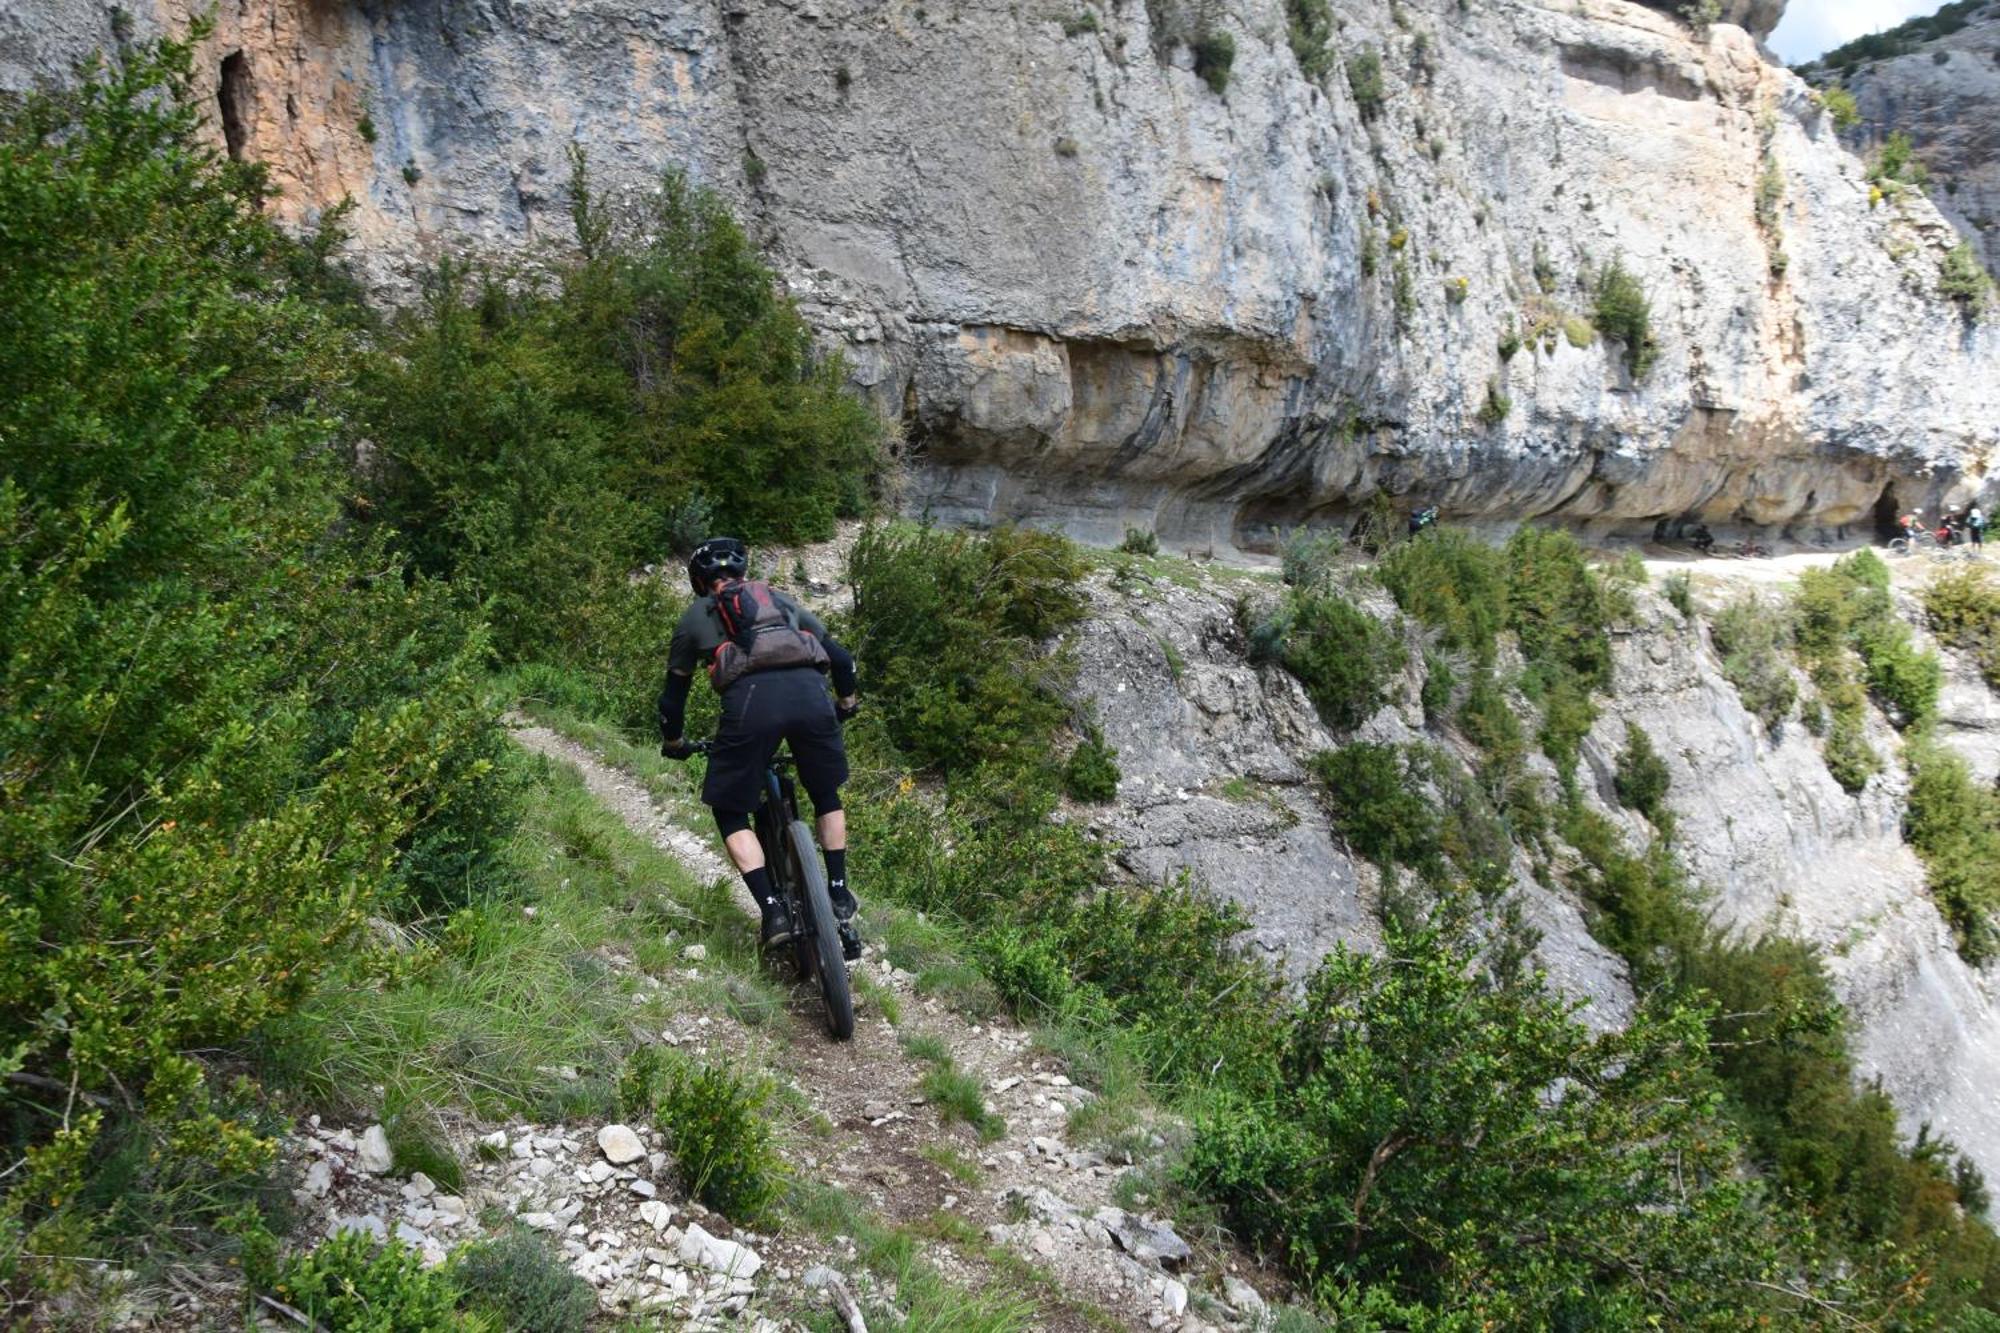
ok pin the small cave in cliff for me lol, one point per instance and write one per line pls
(234, 93)
(1886, 513)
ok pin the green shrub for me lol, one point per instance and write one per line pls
(1309, 28)
(1346, 660)
(1641, 778)
(1623, 312)
(1411, 1142)
(1840, 105)
(1963, 608)
(1376, 806)
(949, 628)
(713, 1120)
(1306, 557)
(1364, 80)
(351, 1285)
(1214, 55)
(1954, 825)
(1962, 278)
(233, 729)
(538, 438)
(1749, 636)
(1453, 582)
(1140, 541)
(1091, 772)
(1679, 593)
(1560, 607)
(1496, 407)
(520, 1283)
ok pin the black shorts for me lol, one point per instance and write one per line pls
(758, 713)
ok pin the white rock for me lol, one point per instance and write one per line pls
(368, 1224)
(319, 1179)
(450, 1207)
(374, 1155)
(695, 953)
(422, 1184)
(718, 1255)
(1243, 1298)
(1174, 1297)
(599, 1172)
(645, 1189)
(655, 1214)
(620, 1145)
(541, 1221)
(497, 1140)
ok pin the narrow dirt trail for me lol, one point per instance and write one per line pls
(1026, 1190)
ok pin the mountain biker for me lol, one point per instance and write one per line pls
(1975, 524)
(1423, 518)
(1702, 539)
(1909, 525)
(769, 675)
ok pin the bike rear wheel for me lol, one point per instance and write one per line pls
(819, 941)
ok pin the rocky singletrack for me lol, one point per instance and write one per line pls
(1025, 1212)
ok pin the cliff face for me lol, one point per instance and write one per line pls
(1946, 97)
(1100, 293)
(1214, 782)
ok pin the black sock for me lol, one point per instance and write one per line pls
(836, 870)
(759, 881)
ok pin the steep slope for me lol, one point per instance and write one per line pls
(1215, 782)
(1099, 290)
(1946, 96)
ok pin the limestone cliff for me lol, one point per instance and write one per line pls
(1214, 750)
(1101, 292)
(1946, 96)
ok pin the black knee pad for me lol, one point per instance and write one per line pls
(731, 821)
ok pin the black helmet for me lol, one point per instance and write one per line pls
(717, 558)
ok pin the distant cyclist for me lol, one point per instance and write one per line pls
(768, 658)
(1423, 518)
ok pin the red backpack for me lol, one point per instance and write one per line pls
(763, 635)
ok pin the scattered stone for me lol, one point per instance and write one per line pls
(497, 1140)
(599, 1172)
(655, 1214)
(450, 1208)
(375, 1156)
(319, 1179)
(1146, 1240)
(541, 1221)
(421, 1186)
(1243, 1298)
(695, 953)
(1011, 1081)
(620, 1145)
(645, 1189)
(369, 1225)
(718, 1255)
(1174, 1297)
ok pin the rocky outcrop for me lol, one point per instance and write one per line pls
(1100, 292)
(1214, 785)
(1946, 96)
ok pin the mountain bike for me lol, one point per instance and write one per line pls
(820, 944)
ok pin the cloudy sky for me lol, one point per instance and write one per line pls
(1813, 26)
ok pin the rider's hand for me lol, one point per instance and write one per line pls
(845, 709)
(677, 748)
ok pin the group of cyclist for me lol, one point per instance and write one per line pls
(1956, 527)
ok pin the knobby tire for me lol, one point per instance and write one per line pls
(829, 963)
